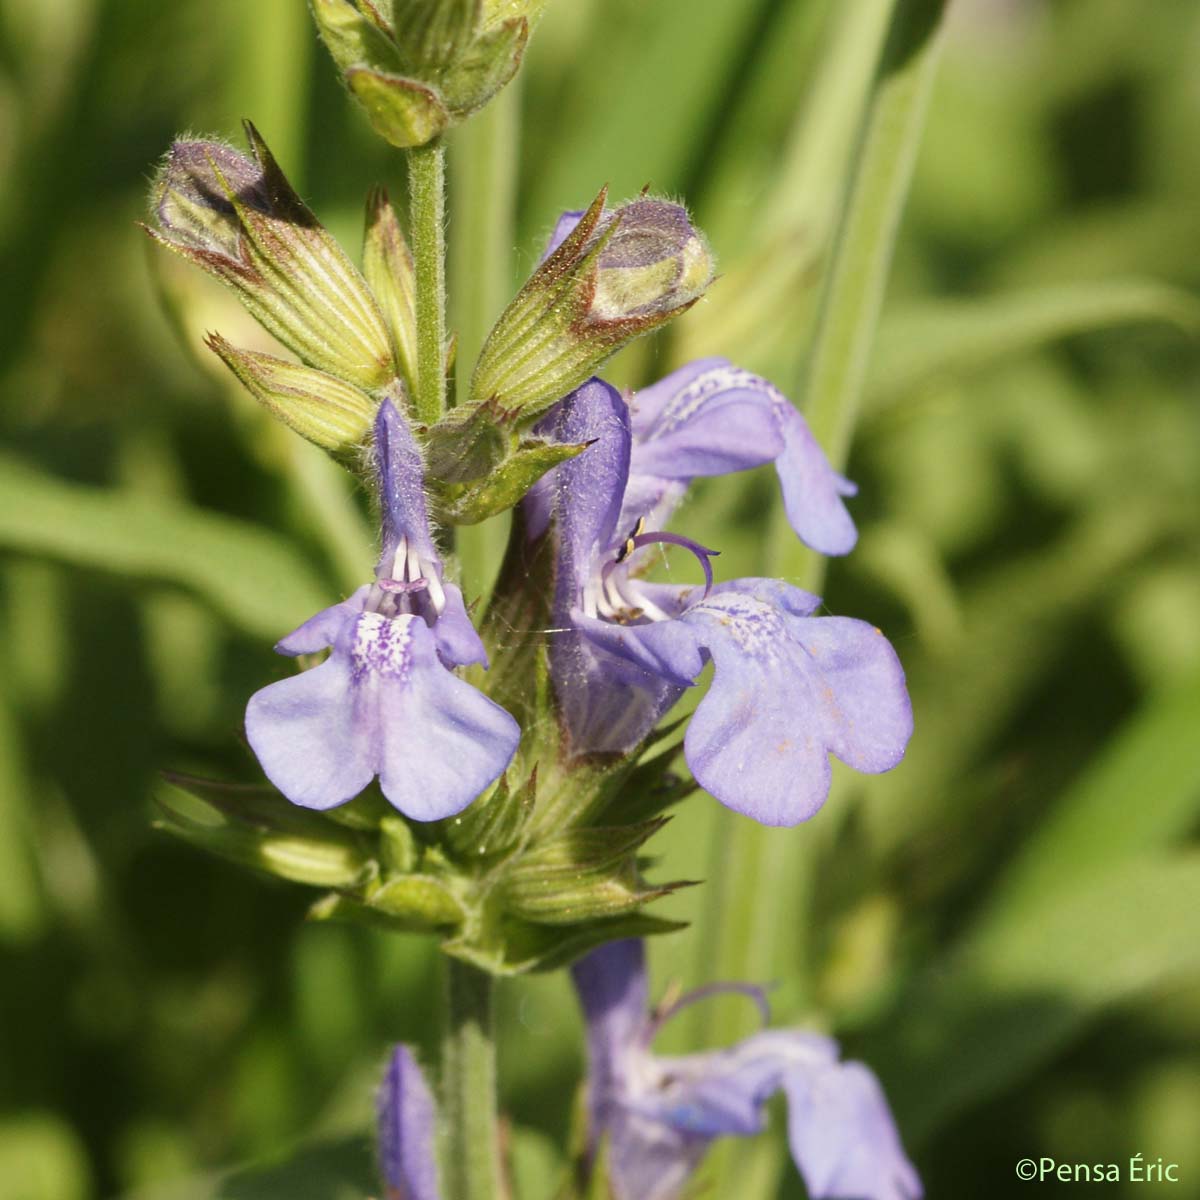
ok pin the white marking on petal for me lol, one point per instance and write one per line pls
(688, 401)
(382, 646)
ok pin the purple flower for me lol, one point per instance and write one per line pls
(386, 702)
(788, 688)
(407, 1124)
(660, 1115)
(712, 418)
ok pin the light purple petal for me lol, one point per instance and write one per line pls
(562, 230)
(309, 737)
(868, 713)
(652, 499)
(613, 993)
(320, 631)
(605, 706)
(794, 601)
(648, 403)
(670, 649)
(843, 1138)
(786, 692)
(407, 1124)
(458, 642)
(649, 1159)
(713, 421)
(587, 490)
(812, 489)
(383, 703)
(440, 741)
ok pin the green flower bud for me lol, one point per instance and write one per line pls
(419, 66)
(239, 219)
(388, 267)
(614, 277)
(256, 827)
(329, 412)
(421, 901)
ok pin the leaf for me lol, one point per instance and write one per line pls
(759, 872)
(1139, 795)
(253, 578)
(954, 337)
(343, 1170)
(863, 246)
(22, 908)
(597, 133)
(1017, 989)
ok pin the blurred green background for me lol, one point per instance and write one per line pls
(1007, 927)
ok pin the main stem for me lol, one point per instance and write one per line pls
(471, 1159)
(427, 226)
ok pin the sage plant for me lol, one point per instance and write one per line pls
(490, 777)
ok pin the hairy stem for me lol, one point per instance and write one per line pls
(427, 225)
(471, 1147)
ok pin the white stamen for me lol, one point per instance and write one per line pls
(636, 598)
(437, 593)
(413, 566)
(400, 560)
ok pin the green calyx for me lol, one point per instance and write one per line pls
(419, 66)
(482, 466)
(616, 276)
(327, 411)
(530, 876)
(238, 218)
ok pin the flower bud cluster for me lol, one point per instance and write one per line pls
(236, 217)
(419, 66)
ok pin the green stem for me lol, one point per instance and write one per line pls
(427, 226)
(471, 1147)
(760, 928)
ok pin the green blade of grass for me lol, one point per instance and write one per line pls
(259, 582)
(955, 337)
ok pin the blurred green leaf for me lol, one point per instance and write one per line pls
(743, 939)
(1021, 984)
(22, 910)
(1139, 795)
(862, 254)
(41, 1158)
(924, 342)
(255, 579)
(343, 1170)
(675, 57)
